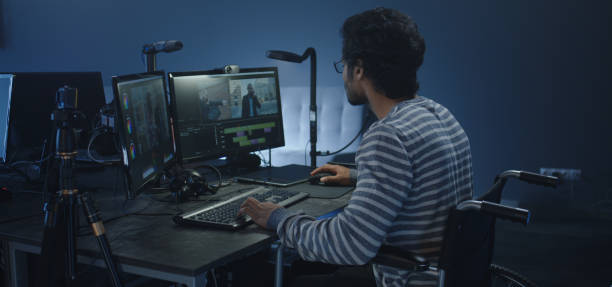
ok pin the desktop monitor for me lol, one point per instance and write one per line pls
(6, 87)
(33, 101)
(144, 128)
(220, 114)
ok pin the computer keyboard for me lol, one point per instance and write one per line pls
(223, 214)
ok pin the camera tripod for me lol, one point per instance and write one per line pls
(61, 220)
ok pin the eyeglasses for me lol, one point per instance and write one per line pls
(339, 66)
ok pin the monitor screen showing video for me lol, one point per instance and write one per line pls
(219, 114)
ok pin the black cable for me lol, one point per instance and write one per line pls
(268, 162)
(364, 126)
(219, 176)
(327, 153)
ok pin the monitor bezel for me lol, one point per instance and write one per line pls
(132, 190)
(3, 153)
(216, 155)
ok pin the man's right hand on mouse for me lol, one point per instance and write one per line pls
(342, 175)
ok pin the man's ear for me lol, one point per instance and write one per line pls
(358, 72)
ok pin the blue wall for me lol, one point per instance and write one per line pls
(527, 79)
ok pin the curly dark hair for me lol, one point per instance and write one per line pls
(390, 49)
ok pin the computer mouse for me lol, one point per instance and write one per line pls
(316, 179)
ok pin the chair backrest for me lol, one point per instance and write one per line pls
(467, 250)
(469, 237)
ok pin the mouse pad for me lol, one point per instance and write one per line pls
(321, 191)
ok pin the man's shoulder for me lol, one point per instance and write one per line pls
(381, 129)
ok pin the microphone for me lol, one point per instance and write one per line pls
(162, 46)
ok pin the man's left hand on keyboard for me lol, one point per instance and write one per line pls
(258, 211)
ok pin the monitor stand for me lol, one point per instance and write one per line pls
(243, 160)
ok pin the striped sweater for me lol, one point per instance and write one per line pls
(412, 166)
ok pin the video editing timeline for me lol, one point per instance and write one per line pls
(145, 125)
(218, 113)
(250, 134)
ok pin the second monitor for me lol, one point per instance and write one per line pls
(219, 114)
(144, 128)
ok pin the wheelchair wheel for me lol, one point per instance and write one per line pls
(502, 276)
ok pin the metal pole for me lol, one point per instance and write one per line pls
(278, 268)
(313, 106)
(151, 62)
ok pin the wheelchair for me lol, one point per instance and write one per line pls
(469, 238)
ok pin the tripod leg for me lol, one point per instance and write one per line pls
(52, 269)
(95, 221)
(71, 226)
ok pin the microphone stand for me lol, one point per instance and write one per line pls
(151, 50)
(151, 62)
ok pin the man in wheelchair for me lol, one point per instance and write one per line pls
(413, 164)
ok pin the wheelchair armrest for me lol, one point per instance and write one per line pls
(496, 210)
(530, 177)
(396, 257)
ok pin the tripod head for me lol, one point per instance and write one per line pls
(63, 117)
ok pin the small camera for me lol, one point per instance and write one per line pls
(66, 98)
(231, 69)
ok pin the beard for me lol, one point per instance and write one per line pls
(354, 98)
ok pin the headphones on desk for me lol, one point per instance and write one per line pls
(190, 183)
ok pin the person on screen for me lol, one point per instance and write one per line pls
(209, 109)
(250, 103)
(413, 164)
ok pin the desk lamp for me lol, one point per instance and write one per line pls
(295, 58)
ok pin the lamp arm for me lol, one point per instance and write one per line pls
(310, 52)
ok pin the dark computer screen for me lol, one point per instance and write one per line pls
(220, 114)
(33, 100)
(144, 127)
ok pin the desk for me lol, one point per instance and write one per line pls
(151, 246)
